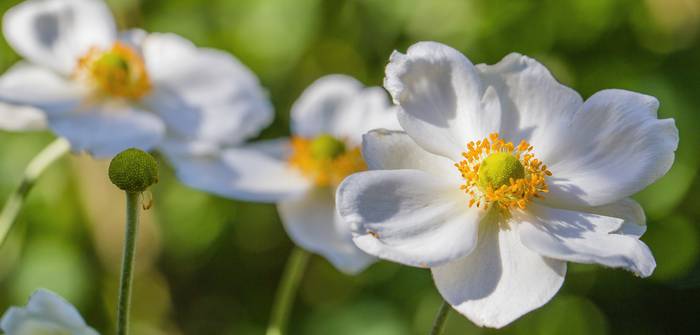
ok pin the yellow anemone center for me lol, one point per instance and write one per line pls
(499, 173)
(117, 72)
(498, 169)
(325, 160)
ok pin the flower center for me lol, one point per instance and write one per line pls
(118, 72)
(325, 159)
(498, 169)
(327, 147)
(499, 173)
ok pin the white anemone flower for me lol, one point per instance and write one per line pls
(502, 176)
(106, 91)
(46, 313)
(300, 174)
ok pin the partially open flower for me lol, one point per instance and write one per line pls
(45, 313)
(502, 176)
(301, 174)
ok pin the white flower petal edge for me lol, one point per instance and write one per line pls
(54, 33)
(407, 216)
(315, 112)
(255, 172)
(21, 118)
(107, 130)
(32, 85)
(612, 129)
(313, 223)
(583, 238)
(202, 93)
(341, 106)
(45, 312)
(632, 214)
(440, 94)
(394, 150)
(500, 280)
(535, 106)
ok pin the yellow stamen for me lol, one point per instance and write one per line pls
(499, 173)
(117, 72)
(325, 160)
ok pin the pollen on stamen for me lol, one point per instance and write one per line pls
(117, 72)
(513, 178)
(324, 167)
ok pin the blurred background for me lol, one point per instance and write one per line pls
(208, 265)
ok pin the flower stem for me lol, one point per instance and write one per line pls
(36, 166)
(127, 275)
(440, 318)
(286, 291)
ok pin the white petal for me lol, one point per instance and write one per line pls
(316, 111)
(55, 33)
(257, 172)
(440, 95)
(340, 106)
(583, 238)
(394, 150)
(55, 308)
(500, 280)
(408, 216)
(368, 109)
(21, 118)
(312, 222)
(635, 222)
(45, 311)
(615, 147)
(27, 84)
(535, 106)
(133, 37)
(107, 130)
(204, 94)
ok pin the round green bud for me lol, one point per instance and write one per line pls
(498, 168)
(133, 170)
(327, 147)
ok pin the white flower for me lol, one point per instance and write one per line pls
(106, 91)
(300, 174)
(46, 313)
(502, 176)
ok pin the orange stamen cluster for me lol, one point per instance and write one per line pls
(117, 72)
(516, 192)
(324, 171)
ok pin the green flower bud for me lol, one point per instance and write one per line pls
(133, 170)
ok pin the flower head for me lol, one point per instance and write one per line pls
(501, 176)
(301, 174)
(106, 91)
(117, 72)
(46, 313)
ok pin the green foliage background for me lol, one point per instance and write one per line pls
(208, 265)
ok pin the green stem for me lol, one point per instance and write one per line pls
(36, 166)
(286, 291)
(440, 318)
(127, 274)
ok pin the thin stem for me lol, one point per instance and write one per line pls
(127, 275)
(440, 318)
(286, 291)
(36, 166)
